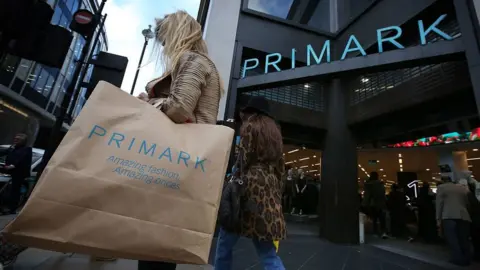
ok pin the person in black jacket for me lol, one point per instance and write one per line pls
(396, 205)
(474, 210)
(427, 227)
(18, 164)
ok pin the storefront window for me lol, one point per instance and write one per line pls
(277, 8)
(320, 19)
(23, 69)
(351, 10)
(57, 16)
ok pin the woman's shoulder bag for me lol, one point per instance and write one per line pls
(229, 213)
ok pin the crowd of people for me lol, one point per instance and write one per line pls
(452, 214)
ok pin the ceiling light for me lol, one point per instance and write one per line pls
(401, 169)
(470, 166)
(293, 151)
(359, 165)
(303, 166)
(401, 165)
(314, 156)
(288, 162)
(399, 155)
(303, 147)
(306, 85)
(365, 80)
(475, 150)
(378, 161)
(381, 170)
(302, 159)
(428, 169)
(312, 171)
(400, 160)
(384, 175)
(358, 178)
(477, 158)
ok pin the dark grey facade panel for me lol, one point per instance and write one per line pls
(417, 85)
(272, 37)
(433, 53)
(385, 13)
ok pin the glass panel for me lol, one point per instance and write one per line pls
(351, 10)
(277, 8)
(34, 76)
(63, 22)
(23, 69)
(42, 80)
(69, 4)
(49, 85)
(321, 16)
(7, 69)
(57, 15)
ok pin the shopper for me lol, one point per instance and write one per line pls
(375, 202)
(18, 165)
(190, 89)
(427, 228)
(452, 214)
(397, 207)
(474, 211)
(263, 166)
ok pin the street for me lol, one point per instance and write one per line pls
(304, 252)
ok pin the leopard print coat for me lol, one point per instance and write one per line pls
(262, 217)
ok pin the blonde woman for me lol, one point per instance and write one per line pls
(190, 89)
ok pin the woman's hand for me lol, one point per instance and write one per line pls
(143, 96)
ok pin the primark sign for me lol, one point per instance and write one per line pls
(352, 45)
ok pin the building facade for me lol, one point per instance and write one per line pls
(31, 93)
(342, 75)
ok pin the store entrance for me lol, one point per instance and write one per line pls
(411, 176)
(302, 189)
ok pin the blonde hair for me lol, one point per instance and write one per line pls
(179, 32)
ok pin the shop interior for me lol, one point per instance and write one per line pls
(395, 165)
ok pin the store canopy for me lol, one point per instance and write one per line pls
(434, 53)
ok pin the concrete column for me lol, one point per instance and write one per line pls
(339, 202)
(220, 33)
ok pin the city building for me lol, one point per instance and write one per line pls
(357, 86)
(31, 93)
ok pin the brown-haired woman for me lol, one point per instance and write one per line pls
(190, 89)
(262, 218)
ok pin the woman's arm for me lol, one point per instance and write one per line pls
(189, 77)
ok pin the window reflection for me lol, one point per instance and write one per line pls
(277, 8)
(320, 18)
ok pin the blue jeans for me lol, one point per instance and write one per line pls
(265, 250)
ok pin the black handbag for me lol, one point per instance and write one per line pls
(231, 203)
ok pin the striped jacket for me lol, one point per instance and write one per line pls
(190, 93)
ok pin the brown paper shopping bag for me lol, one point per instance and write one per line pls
(126, 182)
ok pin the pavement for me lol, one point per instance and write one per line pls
(301, 251)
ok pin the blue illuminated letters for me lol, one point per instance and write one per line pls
(353, 45)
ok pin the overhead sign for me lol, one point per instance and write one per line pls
(83, 16)
(353, 46)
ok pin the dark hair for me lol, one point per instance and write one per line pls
(373, 176)
(394, 187)
(267, 137)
